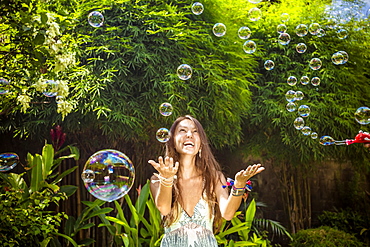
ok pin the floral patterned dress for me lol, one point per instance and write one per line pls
(193, 231)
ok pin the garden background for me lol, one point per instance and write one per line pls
(112, 79)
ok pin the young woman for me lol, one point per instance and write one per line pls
(188, 188)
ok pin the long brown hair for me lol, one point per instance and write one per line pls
(205, 163)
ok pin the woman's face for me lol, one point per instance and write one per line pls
(187, 140)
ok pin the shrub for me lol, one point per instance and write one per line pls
(324, 236)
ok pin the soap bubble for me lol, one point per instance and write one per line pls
(315, 81)
(108, 175)
(305, 80)
(284, 39)
(301, 47)
(301, 30)
(342, 33)
(184, 72)
(306, 130)
(4, 86)
(96, 19)
(244, 32)
(327, 140)
(281, 28)
(8, 161)
(340, 57)
(197, 8)
(269, 64)
(59, 99)
(315, 63)
(314, 135)
(321, 33)
(255, 14)
(362, 115)
(284, 17)
(51, 88)
(254, 1)
(165, 109)
(219, 29)
(298, 123)
(163, 135)
(292, 80)
(314, 28)
(304, 110)
(291, 107)
(299, 95)
(249, 46)
(290, 96)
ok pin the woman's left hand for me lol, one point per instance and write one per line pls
(243, 176)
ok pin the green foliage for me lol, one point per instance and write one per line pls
(24, 216)
(324, 237)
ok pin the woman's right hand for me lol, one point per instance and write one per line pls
(166, 168)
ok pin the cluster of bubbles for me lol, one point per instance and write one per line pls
(8, 161)
(108, 175)
(163, 134)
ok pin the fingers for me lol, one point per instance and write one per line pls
(166, 166)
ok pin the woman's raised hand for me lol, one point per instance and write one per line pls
(166, 168)
(243, 176)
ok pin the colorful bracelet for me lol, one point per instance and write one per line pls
(237, 191)
(166, 182)
(230, 182)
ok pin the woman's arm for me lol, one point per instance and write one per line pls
(230, 203)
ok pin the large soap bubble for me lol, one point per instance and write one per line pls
(8, 161)
(301, 30)
(249, 46)
(163, 135)
(108, 175)
(315, 63)
(95, 19)
(284, 39)
(298, 123)
(219, 29)
(165, 109)
(291, 106)
(299, 95)
(255, 14)
(301, 47)
(314, 28)
(290, 96)
(304, 110)
(4, 86)
(197, 8)
(362, 115)
(184, 72)
(305, 80)
(291, 81)
(244, 33)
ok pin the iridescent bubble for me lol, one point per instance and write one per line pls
(291, 107)
(305, 80)
(197, 8)
(327, 140)
(249, 46)
(342, 33)
(254, 1)
(163, 135)
(95, 19)
(301, 30)
(255, 14)
(301, 47)
(345, 55)
(8, 161)
(290, 96)
(219, 29)
(244, 32)
(292, 80)
(362, 115)
(304, 110)
(4, 86)
(315, 81)
(184, 72)
(284, 17)
(321, 33)
(284, 39)
(51, 88)
(165, 109)
(59, 99)
(108, 175)
(340, 57)
(269, 64)
(298, 123)
(299, 95)
(281, 28)
(314, 135)
(314, 28)
(306, 130)
(315, 63)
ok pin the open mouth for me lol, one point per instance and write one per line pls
(188, 144)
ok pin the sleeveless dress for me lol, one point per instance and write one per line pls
(193, 231)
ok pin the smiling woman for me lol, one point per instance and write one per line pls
(190, 190)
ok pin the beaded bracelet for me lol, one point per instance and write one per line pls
(238, 191)
(166, 182)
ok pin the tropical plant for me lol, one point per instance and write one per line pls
(26, 219)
